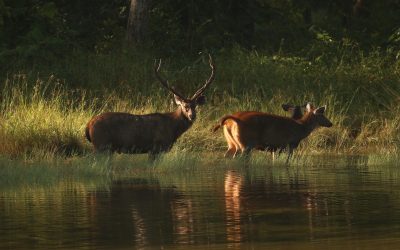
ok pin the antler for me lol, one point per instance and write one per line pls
(165, 82)
(208, 82)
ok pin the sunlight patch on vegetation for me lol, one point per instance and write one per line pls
(43, 118)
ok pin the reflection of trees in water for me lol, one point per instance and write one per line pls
(135, 212)
(343, 202)
(144, 212)
(39, 217)
(327, 213)
(239, 207)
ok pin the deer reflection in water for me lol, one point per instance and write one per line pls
(182, 218)
(140, 229)
(232, 186)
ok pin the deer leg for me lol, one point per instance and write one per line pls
(246, 151)
(103, 150)
(232, 145)
(237, 152)
(235, 140)
(103, 153)
(243, 149)
(232, 149)
(281, 151)
(154, 155)
(246, 156)
(230, 153)
(290, 152)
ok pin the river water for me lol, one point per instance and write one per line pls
(330, 206)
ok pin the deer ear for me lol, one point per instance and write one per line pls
(287, 107)
(177, 99)
(320, 110)
(309, 107)
(201, 100)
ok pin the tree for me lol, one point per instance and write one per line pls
(138, 21)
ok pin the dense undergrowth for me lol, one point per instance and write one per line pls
(43, 114)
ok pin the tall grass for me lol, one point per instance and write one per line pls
(44, 116)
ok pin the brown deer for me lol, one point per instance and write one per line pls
(250, 129)
(296, 114)
(233, 148)
(149, 133)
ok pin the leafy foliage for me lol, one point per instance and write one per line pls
(44, 30)
(37, 30)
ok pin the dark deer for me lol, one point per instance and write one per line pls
(150, 133)
(296, 114)
(259, 130)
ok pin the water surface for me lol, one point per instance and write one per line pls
(346, 206)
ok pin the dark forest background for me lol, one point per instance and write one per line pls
(39, 31)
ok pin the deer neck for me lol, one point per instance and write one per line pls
(182, 123)
(308, 124)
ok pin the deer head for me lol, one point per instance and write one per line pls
(316, 116)
(187, 105)
(295, 110)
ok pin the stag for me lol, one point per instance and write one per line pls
(148, 133)
(257, 130)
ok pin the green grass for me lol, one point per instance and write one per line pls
(44, 116)
(99, 171)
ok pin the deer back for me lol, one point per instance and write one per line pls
(124, 132)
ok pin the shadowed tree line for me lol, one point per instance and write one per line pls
(40, 30)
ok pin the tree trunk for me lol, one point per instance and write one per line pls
(137, 21)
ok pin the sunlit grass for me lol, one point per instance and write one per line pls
(43, 118)
(39, 125)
